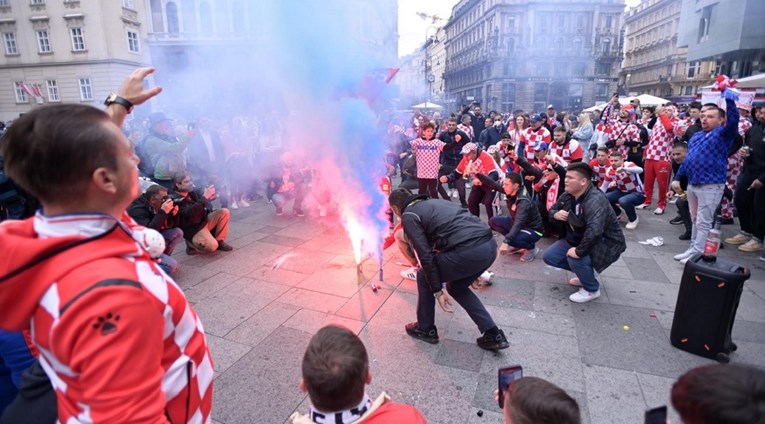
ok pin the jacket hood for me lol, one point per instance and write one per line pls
(30, 265)
(414, 197)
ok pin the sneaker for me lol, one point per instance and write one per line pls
(643, 206)
(762, 258)
(233, 205)
(455, 193)
(529, 255)
(410, 274)
(632, 224)
(685, 236)
(737, 239)
(243, 203)
(676, 220)
(620, 217)
(298, 212)
(279, 211)
(485, 278)
(224, 247)
(687, 254)
(575, 282)
(493, 342)
(658, 211)
(684, 260)
(430, 336)
(583, 296)
(751, 246)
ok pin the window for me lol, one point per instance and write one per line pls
(86, 91)
(511, 24)
(718, 68)
(43, 42)
(172, 18)
(128, 4)
(601, 90)
(704, 22)
(134, 44)
(609, 21)
(603, 69)
(21, 96)
(540, 92)
(693, 69)
(577, 45)
(78, 41)
(52, 91)
(38, 2)
(5, 3)
(606, 46)
(10, 43)
(579, 69)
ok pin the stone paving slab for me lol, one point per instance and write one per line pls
(259, 320)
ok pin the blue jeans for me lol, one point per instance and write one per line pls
(458, 269)
(525, 239)
(555, 256)
(173, 237)
(15, 358)
(627, 200)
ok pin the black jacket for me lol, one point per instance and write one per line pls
(593, 220)
(433, 226)
(523, 210)
(488, 137)
(693, 129)
(192, 214)
(143, 214)
(754, 165)
(452, 156)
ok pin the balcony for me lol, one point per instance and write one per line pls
(168, 38)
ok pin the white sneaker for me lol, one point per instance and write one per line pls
(643, 206)
(233, 205)
(243, 203)
(632, 224)
(583, 296)
(575, 282)
(658, 211)
(687, 254)
(410, 274)
(486, 276)
(455, 194)
(529, 255)
(683, 261)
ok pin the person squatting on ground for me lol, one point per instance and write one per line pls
(474, 161)
(679, 152)
(593, 239)
(204, 228)
(452, 247)
(706, 167)
(156, 210)
(104, 317)
(334, 372)
(523, 226)
(286, 182)
(623, 188)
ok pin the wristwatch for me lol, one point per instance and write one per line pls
(114, 98)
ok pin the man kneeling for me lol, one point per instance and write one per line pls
(335, 371)
(204, 229)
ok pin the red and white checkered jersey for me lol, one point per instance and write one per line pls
(625, 180)
(625, 130)
(743, 126)
(570, 151)
(467, 129)
(117, 337)
(428, 155)
(533, 137)
(599, 170)
(660, 140)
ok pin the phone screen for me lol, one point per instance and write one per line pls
(656, 415)
(505, 377)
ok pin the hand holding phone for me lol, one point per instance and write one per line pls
(505, 377)
(656, 415)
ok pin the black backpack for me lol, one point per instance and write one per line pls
(14, 202)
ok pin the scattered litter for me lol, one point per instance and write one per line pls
(532, 315)
(656, 241)
(480, 413)
(652, 315)
(626, 328)
(633, 291)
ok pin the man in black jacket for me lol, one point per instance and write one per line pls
(454, 247)
(204, 229)
(694, 113)
(451, 157)
(593, 240)
(153, 209)
(523, 226)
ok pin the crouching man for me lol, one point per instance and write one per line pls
(204, 229)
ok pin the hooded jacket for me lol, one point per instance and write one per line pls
(116, 335)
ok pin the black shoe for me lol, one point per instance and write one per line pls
(676, 220)
(279, 211)
(726, 221)
(298, 212)
(192, 252)
(464, 205)
(225, 247)
(430, 336)
(685, 236)
(493, 342)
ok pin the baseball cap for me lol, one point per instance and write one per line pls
(541, 146)
(550, 107)
(536, 118)
(468, 148)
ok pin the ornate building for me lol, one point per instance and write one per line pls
(653, 64)
(67, 51)
(526, 54)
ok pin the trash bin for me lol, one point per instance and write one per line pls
(706, 307)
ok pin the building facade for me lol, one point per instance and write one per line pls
(526, 54)
(412, 78)
(653, 63)
(67, 51)
(729, 32)
(435, 57)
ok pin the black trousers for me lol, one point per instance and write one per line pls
(750, 205)
(685, 213)
(478, 196)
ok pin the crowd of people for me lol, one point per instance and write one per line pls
(102, 331)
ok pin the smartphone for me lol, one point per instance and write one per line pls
(505, 377)
(656, 415)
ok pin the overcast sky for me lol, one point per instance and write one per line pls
(412, 30)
